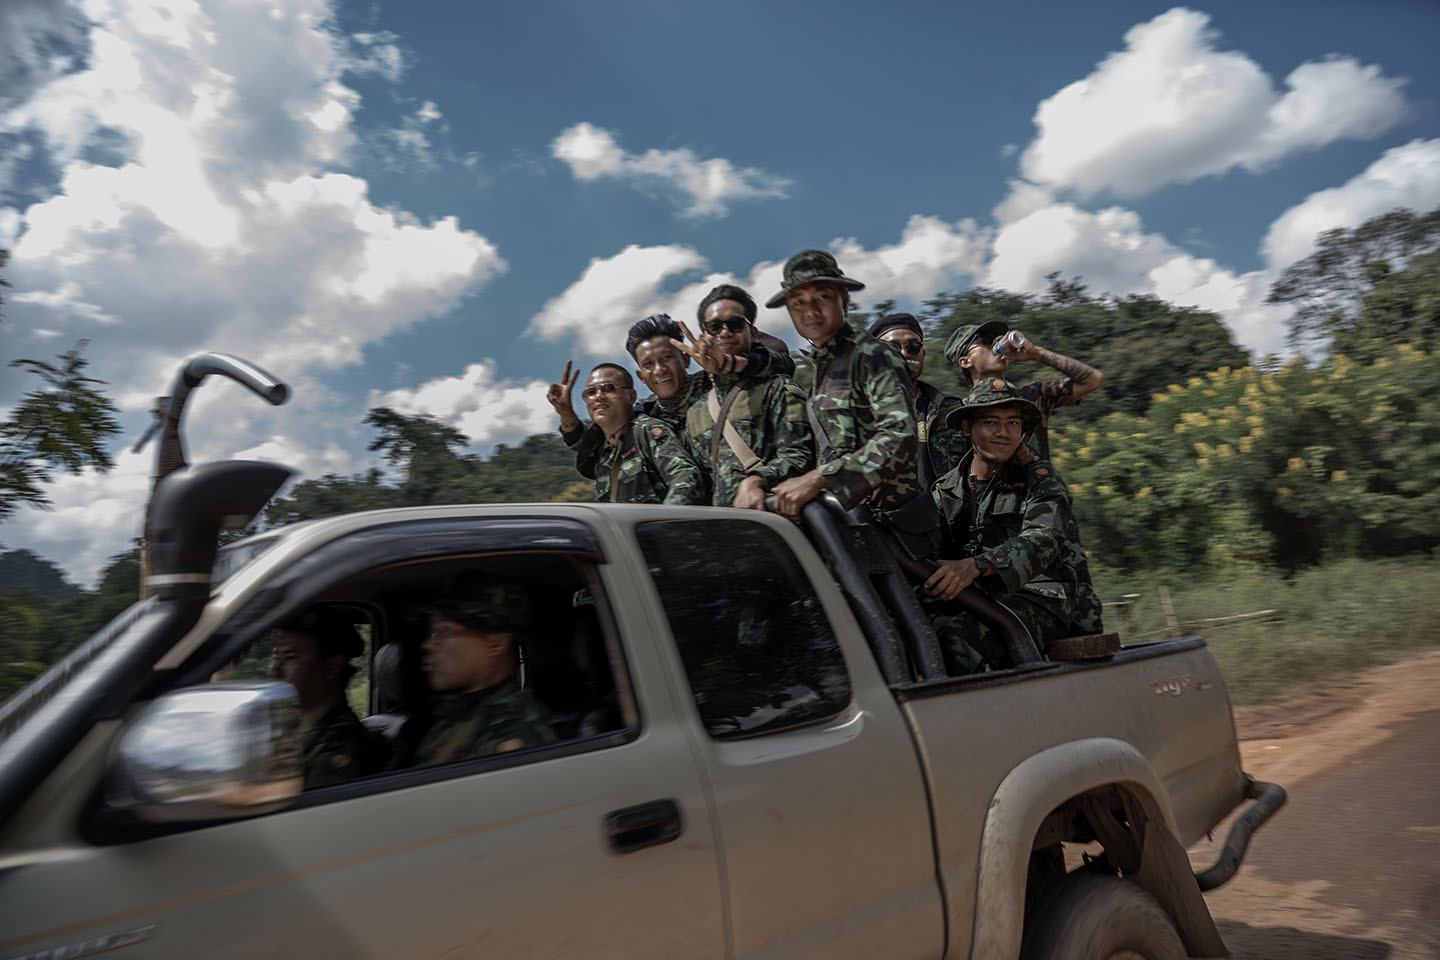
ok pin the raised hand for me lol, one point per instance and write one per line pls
(705, 351)
(560, 396)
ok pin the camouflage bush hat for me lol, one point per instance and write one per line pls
(993, 392)
(483, 602)
(809, 266)
(959, 342)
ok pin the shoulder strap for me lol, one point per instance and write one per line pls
(620, 443)
(720, 413)
(823, 445)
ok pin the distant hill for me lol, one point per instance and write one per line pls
(23, 570)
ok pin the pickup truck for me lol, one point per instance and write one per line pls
(758, 755)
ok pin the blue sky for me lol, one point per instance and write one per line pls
(436, 205)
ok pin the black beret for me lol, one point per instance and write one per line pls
(893, 320)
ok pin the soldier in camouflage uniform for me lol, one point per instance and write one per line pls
(313, 655)
(769, 436)
(942, 444)
(661, 359)
(471, 661)
(971, 348)
(642, 459)
(1009, 526)
(862, 415)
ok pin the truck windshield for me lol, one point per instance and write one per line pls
(237, 555)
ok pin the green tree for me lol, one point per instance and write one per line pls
(1329, 288)
(62, 425)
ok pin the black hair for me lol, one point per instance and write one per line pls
(727, 291)
(624, 374)
(333, 634)
(655, 325)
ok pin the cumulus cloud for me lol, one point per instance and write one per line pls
(1171, 108)
(614, 292)
(704, 187)
(375, 54)
(486, 409)
(39, 40)
(1405, 176)
(222, 227)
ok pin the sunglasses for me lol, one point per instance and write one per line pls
(910, 348)
(596, 389)
(733, 324)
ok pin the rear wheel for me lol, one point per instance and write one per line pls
(1090, 917)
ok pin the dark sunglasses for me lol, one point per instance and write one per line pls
(910, 348)
(604, 386)
(733, 324)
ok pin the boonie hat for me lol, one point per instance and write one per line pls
(993, 392)
(959, 342)
(810, 266)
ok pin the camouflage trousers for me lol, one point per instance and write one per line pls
(971, 645)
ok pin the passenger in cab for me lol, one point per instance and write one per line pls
(471, 661)
(861, 413)
(313, 655)
(749, 431)
(1007, 523)
(972, 348)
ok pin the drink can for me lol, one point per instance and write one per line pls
(1008, 344)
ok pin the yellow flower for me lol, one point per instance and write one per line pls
(1252, 389)
(1225, 450)
(1203, 463)
(1143, 492)
(1283, 491)
(1339, 476)
(1180, 428)
(1294, 463)
(1175, 388)
(1194, 382)
(1083, 453)
(1246, 444)
(1105, 489)
(1113, 435)
(1381, 363)
(1204, 449)
(1258, 432)
(1208, 392)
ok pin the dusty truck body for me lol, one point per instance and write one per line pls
(754, 759)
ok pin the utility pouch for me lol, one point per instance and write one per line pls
(915, 525)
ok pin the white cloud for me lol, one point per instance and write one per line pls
(1172, 107)
(705, 186)
(39, 40)
(1405, 176)
(223, 228)
(485, 409)
(375, 54)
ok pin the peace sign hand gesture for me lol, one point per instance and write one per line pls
(559, 395)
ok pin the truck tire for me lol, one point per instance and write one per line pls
(1090, 917)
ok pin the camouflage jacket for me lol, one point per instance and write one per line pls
(338, 749)
(769, 415)
(649, 463)
(1025, 530)
(866, 417)
(469, 725)
(942, 445)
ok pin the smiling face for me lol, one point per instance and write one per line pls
(607, 398)
(995, 433)
(661, 366)
(817, 310)
(911, 347)
(725, 320)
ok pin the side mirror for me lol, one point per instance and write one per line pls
(215, 752)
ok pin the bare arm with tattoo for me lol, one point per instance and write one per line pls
(1084, 378)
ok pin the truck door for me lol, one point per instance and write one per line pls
(816, 787)
(596, 845)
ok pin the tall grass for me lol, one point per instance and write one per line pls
(1330, 621)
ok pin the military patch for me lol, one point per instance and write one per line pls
(920, 430)
(998, 384)
(1042, 472)
(628, 453)
(338, 762)
(657, 433)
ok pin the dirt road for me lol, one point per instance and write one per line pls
(1350, 868)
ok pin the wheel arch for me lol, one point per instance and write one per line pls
(1040, 785)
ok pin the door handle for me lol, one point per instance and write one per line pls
(644, 825)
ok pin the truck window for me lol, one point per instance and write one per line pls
(759, 652)
(432, 684)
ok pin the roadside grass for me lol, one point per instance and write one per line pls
(1329, 622)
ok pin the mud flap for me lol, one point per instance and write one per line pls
(1166, 875)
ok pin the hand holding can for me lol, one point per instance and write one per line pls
(1006, 345)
